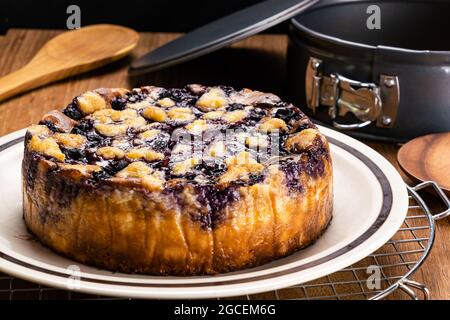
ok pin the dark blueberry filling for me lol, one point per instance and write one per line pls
(197, 112)
(203, 177)
(311, 162)
(285, 114)
(256, 114)
(292, 170)
(86, 128)
(32, 159)
(72, 110)
(281, 142)
(315, 165)
(83, 127)
(214, 200)
(182, 95)
(213, 168)
(256, 178)
(91, 156)
(95, 140)
(74, 155)
(228, 90)
(119, 103)
(110, 169)
(210, 197)
(289, 114)
(164, 93)
(160, 143)
(235, 106)
(63, 189)
(136, 96)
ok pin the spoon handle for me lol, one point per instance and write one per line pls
(26, 78)
(68, 54)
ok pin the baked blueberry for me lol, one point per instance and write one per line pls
(189, 181)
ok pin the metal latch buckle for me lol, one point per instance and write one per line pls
(367, 101)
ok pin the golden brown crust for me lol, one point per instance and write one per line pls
(141, 221)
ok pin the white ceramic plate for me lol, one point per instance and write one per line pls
(370, 204)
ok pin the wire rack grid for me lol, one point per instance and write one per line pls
(385, 273)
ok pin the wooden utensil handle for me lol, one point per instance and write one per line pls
(24, 79)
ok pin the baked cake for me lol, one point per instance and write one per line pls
(199, 180)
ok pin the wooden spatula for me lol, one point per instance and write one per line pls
(68, 54)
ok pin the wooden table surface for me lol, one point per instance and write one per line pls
(257, 62)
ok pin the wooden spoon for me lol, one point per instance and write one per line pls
(428, 158)
(68, 54)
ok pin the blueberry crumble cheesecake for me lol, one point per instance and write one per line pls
(192, 181)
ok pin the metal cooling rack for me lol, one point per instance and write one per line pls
(396, 262)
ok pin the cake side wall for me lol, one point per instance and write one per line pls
(127, 229)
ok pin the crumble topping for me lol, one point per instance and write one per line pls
(110, 153)
(90, 102)
(181, 114)
(47, 146)
(214, 98)
(155, 114)
(215, 136)
(272, 125)
(70, 140)
(152, 179)
(166, 102)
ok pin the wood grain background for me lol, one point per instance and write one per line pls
(257, 62)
